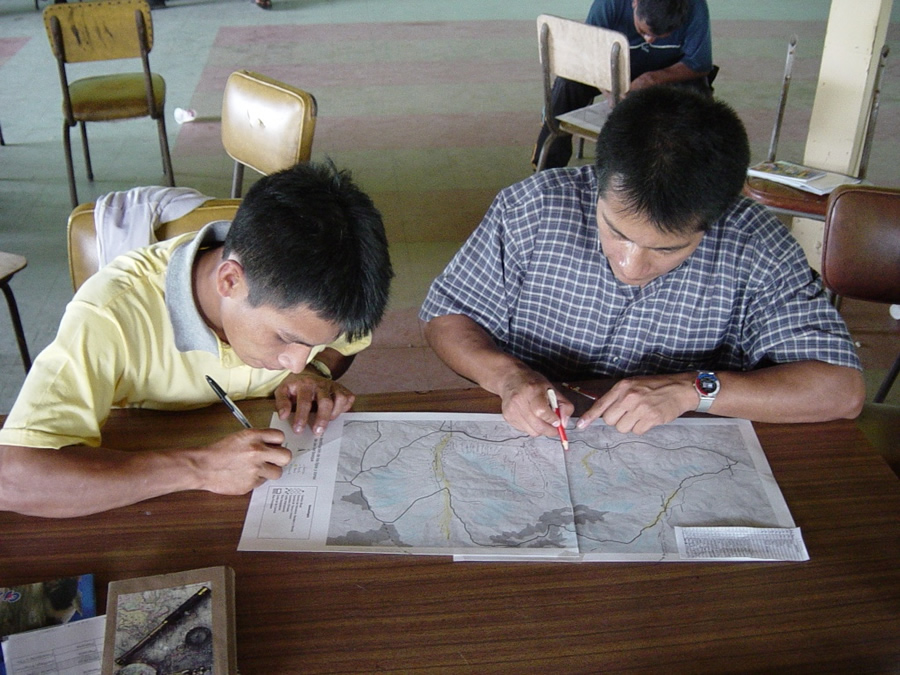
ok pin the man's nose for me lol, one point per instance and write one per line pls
(634, 262)
(294, 358)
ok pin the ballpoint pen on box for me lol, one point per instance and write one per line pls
(554, 403)
(226, 399)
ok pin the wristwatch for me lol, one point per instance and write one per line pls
(707, 386)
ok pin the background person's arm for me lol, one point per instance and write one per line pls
(677, 72)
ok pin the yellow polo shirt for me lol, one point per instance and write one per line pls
(132, 337)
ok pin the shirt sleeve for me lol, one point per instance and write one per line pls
(603, 13)
(790, 318)
(70, 388)
(697, 44)
(473, 283)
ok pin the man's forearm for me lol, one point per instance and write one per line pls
(468, 349)
(675, 73)
(82, 480)
(805, 391)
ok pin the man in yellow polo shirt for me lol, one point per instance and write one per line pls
(277, 301)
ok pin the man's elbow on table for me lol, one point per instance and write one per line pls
(850, 398)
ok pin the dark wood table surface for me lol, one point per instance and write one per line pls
(334, 613)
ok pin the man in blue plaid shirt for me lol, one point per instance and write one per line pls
(652, 268)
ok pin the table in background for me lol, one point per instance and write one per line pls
(315, 613)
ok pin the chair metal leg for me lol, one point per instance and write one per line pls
(164, 151)
(2, 142)
(70, 169)
(542, 157)
(887, 382)
(237, 180)
(579, 149)
(17, 325)
(87, 151)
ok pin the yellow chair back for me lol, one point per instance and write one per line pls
(100, 30)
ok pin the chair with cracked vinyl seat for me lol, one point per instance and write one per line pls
(106, 30)
(592, 55)
(81, 233)
(861, 260)
(10, 264)
(267, 125)
(793, 201)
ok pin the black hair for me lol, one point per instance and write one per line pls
(674, 155)
(308, 236)
(662, 16)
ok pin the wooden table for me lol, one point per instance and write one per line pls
(317, 613)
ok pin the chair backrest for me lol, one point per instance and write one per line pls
(82, 235)
(100, 30)
(266, 124)
(861, 247)
(588, 54)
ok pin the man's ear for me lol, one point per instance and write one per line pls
(230, 279)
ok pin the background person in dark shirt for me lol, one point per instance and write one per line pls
(670, 43)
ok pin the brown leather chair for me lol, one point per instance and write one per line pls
(82, 235)
(861, 260)
(266, 125)
(106, 30)
(792, 201)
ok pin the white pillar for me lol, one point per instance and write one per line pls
(854, 38)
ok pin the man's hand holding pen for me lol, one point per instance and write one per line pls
(239, 462)
(244, 461)
(526, 406)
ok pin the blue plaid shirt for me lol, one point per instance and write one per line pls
(534, 277)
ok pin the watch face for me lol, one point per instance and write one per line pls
(707, 384)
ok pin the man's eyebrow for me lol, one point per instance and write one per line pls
(290, 337)
(615, 231)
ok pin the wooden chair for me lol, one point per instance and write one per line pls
(82, 235)
(588, 54)
(10, 264)
(266, 125)
(861, 251)
(791, 201)
(105, 30)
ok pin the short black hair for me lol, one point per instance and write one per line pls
(675, 155)
(308, 236)
(662, 16)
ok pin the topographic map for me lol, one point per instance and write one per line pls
(472, 486)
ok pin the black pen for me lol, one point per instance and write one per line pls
(226, 399)
(179, 612)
